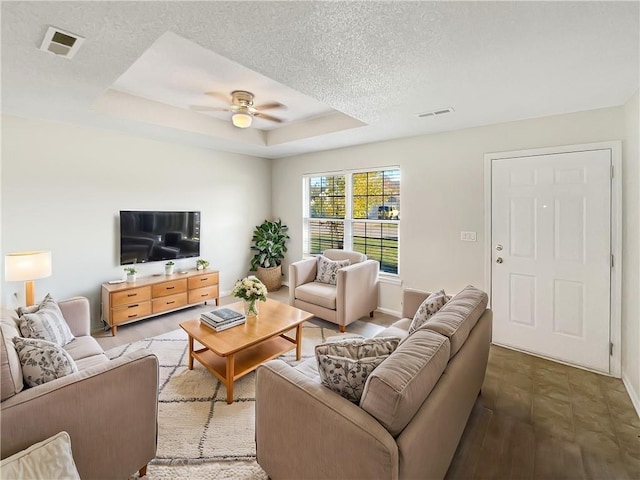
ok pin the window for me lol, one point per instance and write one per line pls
(357, 211)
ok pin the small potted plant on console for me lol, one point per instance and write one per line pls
(131, 274)
(202, 264)
(168, 267)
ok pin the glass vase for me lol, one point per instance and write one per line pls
(251, 308)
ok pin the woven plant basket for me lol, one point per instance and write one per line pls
(271, 277)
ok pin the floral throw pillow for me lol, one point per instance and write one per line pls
(46, 322)
(427, 309)
(42, 361)
(328, 269)
(344, 366)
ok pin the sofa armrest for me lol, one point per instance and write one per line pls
(301, 272)
(411, 300)
(76, 311)
(357, 291)
(110, 412)
(331, 437)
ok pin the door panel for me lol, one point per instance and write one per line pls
(551, 232)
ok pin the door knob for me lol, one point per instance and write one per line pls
(499, 260)
(499, 247)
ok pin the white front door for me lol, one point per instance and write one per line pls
(551, 255)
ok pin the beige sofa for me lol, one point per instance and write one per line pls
(354, 296)
(413, 410)
(109, 407)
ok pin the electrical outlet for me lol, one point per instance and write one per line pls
(468, 236)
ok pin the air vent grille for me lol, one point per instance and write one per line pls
(436, 112)
(61, 43)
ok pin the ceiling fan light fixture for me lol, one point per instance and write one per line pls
(241, 120)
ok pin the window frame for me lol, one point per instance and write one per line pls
(348, 219)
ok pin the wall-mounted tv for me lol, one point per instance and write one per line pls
(150, 236)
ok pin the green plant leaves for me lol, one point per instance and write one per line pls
(269, 240)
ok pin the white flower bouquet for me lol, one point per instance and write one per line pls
(250, 290)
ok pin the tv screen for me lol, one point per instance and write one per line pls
(155, 236)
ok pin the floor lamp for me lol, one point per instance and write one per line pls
(27, 267)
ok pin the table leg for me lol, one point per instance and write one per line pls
(190, 352)
(230, 362)
(298, 341)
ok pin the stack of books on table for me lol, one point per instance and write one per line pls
(222, 318)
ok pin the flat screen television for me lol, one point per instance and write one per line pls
(149, 236)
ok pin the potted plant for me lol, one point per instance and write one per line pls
(168, 268)
(131, 274)
(201, 264)
(269, 241)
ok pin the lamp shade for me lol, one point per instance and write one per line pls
(241, 120)
(23, 266)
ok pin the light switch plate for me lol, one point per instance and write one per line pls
(468, 236)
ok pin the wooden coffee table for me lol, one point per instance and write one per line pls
(232, 353)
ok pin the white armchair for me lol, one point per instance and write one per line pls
(354, 296)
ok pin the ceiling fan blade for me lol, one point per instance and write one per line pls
(226, 98)
(268, 117)
(270, 105)
(203, 108)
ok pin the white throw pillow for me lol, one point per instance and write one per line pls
(45, 322)
(328, 269)
(345, 365)
(427, 309)
(51, 458)
(43, 361)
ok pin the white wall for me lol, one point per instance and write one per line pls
(442, 191)
(631, 251)
(63, 186)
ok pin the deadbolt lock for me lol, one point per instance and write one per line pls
(499, 247)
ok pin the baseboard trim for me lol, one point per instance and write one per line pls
(388, 311)
(635, 398)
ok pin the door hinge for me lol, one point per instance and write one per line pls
(610, 349)
(612, 260)
(611, 171)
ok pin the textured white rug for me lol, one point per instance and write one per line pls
(200, 436)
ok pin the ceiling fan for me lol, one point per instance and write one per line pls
(241, 106)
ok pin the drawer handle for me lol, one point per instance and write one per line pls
(133, 306)
(204, 295)
(133, 316)
(132, 295)
(170, 288)
(169, 303)
(204, 279)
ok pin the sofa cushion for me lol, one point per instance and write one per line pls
(88, 362)
(427, 309)
(51, 458)
(316, 293)
(327, 270)
(83, 347)
(42, 361)
(46, 322)
(344, 366)
(397, 388)
(397, 329)
(11, 371)
(460, 314)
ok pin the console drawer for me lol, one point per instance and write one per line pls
(204, 280)
(169, 302)
(132, 295)
(203, 294)
(169, 288)
(130, 312)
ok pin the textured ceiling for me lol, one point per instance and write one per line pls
(376, 63)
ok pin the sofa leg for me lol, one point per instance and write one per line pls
(371, 314)
(342, 328)
(142, 472)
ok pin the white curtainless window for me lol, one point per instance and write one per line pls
(354, 210)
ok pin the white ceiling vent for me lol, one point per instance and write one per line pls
(436, 112)
(59, 42)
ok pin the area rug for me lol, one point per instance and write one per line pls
(200, 436)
